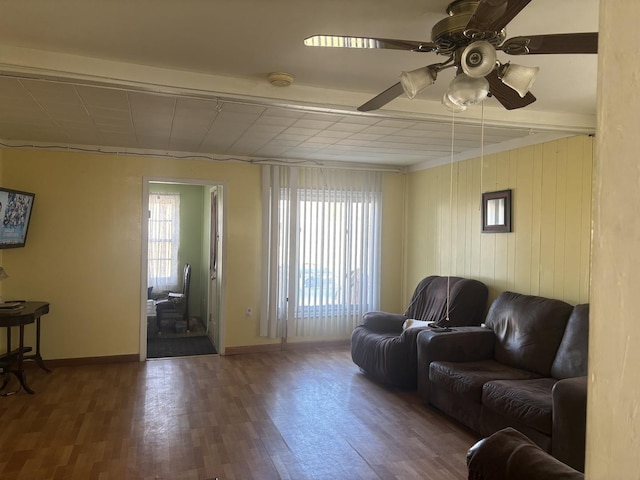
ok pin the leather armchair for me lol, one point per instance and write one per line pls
(387, 352)
(510, 455)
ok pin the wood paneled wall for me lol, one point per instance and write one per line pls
(548, 251)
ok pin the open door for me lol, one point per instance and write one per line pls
(202, 222)
(215, 268)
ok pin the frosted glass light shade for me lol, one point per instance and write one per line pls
(478, 59)
(465, 90)
(452, 107)
(519, 77)
(415, 81)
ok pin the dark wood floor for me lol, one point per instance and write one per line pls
(287, 415)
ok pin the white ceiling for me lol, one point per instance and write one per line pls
(189, 77)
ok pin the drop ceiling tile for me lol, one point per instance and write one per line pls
(284, 112)
(366, 136)
(242, 109)
(347, 127)
(323, 140)
(380, 130)
(340, 148)
(57, 92)
(325, 117)
(152, 141)
(315, 145)
(119, 139)
(399, 124)
(291, 137)
(145, 104)
(332, 134)
(99, 98)
(276, 121)
(303, 132)
(63, 111)
(312, 124)
(129, 132)
(272, 151)
(283, 143)
(414, 132)
(257, 129)
(12, 88)
(236, 117)
(362, 119)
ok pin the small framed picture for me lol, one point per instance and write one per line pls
(496, 212)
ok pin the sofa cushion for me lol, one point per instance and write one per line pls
(527, 401)
(467, 379)
(572, 356)
(528, 330)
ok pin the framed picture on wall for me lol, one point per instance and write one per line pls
(15, 213)
(496, 212)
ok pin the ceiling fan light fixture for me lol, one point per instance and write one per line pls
(478, 59)
(518, 77)
(415, 81)
(450, 105)
(465, 90)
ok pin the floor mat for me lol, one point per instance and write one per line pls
(161, 347)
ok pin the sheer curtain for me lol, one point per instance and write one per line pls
(321, 270)
(163, 241)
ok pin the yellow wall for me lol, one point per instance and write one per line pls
(548, 251)
(84, 245)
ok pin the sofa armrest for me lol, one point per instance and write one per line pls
(568, 437)
(510, 455)
(383, 322)
(461, 344)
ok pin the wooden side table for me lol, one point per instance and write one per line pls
(13, 360)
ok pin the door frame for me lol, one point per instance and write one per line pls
(144, 230)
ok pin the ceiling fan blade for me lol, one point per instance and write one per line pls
(368, 42)
(383, 98)
(493, 15)
(555, 43)
(507, 96)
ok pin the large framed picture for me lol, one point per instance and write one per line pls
(496, 212)
(15, 213)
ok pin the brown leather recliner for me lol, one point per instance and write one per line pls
(511, 455)
(387, 352)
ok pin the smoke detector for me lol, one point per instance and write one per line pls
(280, 79)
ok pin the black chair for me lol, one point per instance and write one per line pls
(175, 305)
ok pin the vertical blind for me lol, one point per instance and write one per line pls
(321, 270)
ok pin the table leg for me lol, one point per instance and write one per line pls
(37, 356)
(19, 372)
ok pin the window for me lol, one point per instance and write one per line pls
(163, 241)
(324, 242)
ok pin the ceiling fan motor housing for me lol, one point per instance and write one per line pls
(449, 33)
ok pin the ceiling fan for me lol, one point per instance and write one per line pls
(470, 37)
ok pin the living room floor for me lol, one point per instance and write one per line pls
(300, 414)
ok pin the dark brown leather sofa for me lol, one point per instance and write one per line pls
(510, 455)
(526, 368)
(387, 353)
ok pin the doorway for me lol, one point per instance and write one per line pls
(183, 227)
